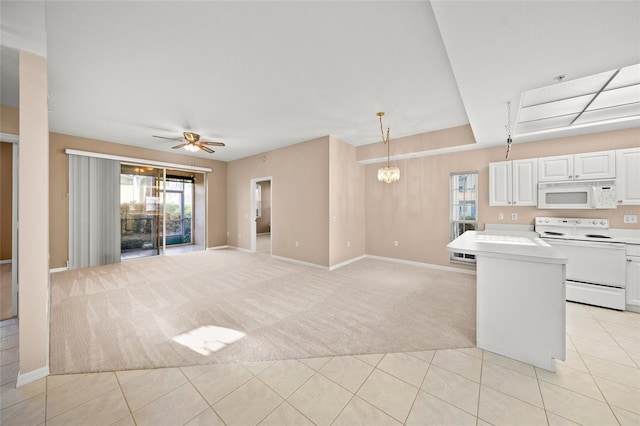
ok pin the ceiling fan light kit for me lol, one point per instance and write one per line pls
(192, 143)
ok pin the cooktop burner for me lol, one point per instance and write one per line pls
(596, 236)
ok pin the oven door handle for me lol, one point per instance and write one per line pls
(594, 244)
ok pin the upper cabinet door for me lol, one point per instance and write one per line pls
(628, 176)
(556, 168)
(500, 183)
(525, 182)
(595, 165)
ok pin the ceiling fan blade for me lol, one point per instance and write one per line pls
(205, 149)
(211, 143)
(179, 146)
(171, 139)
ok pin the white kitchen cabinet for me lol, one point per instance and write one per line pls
(513, 183)
(585, 166)
(633, 278)
(628, 176)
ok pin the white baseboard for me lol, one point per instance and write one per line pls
(423, 265)
(346, 262)
(3, 262)
(300, 262)
(32, 376)
(218, 247)
(240, 249)
(54, 270)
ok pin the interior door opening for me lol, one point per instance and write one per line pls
(262, 223)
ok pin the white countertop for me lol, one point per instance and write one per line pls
(527, 246)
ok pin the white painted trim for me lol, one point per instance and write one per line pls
(139, 161)
(8, 137)
(32, 376)
(240, 249)
(346, 262)
(300, 262)
(218, 247)
(4, 262)
(423, 265)
(61, 269)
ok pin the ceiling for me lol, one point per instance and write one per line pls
(262, 75)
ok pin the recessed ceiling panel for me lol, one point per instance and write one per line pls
(614, 113)
(554, 109)
(549, 123)
(615, 97)
(565, 90)
(626, 77)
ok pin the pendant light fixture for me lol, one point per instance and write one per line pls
(387, 174)
(508, 129)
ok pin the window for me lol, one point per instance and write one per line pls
(464, 210)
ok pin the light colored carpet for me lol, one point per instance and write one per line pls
(230, 306)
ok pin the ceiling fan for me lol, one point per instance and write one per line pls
(192, 143)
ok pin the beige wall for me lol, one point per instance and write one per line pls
(58, 186)
(415, 210)
(346, 203)
(263, 224)
(9, 120)
(33, 239)
(300, 203)
(6, 190)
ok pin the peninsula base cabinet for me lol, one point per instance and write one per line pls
(633, 278)
(513, 183)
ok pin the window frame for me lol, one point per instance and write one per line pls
(455, 204)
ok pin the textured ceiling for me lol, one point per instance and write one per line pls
(262, 75)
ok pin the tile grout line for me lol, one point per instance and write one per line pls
(480, 388)
(544, 406)
(126, 401)
(413, 403)
(205, 399)
(284, 399)
(353, 394)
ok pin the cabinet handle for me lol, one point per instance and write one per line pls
(629, 260)
(570, 176)
(577, 176)
(514, 202)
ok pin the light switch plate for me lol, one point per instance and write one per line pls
(630, 218)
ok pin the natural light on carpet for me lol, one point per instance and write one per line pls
(208, 339)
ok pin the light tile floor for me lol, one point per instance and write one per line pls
(599, 384)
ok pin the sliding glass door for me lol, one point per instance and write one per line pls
(179, 192)
(141, 211)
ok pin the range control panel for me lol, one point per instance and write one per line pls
(569, 222)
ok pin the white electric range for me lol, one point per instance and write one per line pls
(597, 259)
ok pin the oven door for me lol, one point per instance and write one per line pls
(594, 262)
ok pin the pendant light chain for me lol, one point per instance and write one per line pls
(508, 128)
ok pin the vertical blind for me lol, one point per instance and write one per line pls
(94, 211)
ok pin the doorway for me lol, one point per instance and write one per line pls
(141, 211)
(161, 211)
(262, 223)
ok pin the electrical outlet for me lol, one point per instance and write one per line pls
(348, 243)
(297, 244)
(630, 218)
(500, 216)
(395, 244)
(514, 216)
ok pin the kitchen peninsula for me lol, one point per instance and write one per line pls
(520, 305)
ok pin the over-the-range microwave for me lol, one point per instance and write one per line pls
(587, 194)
